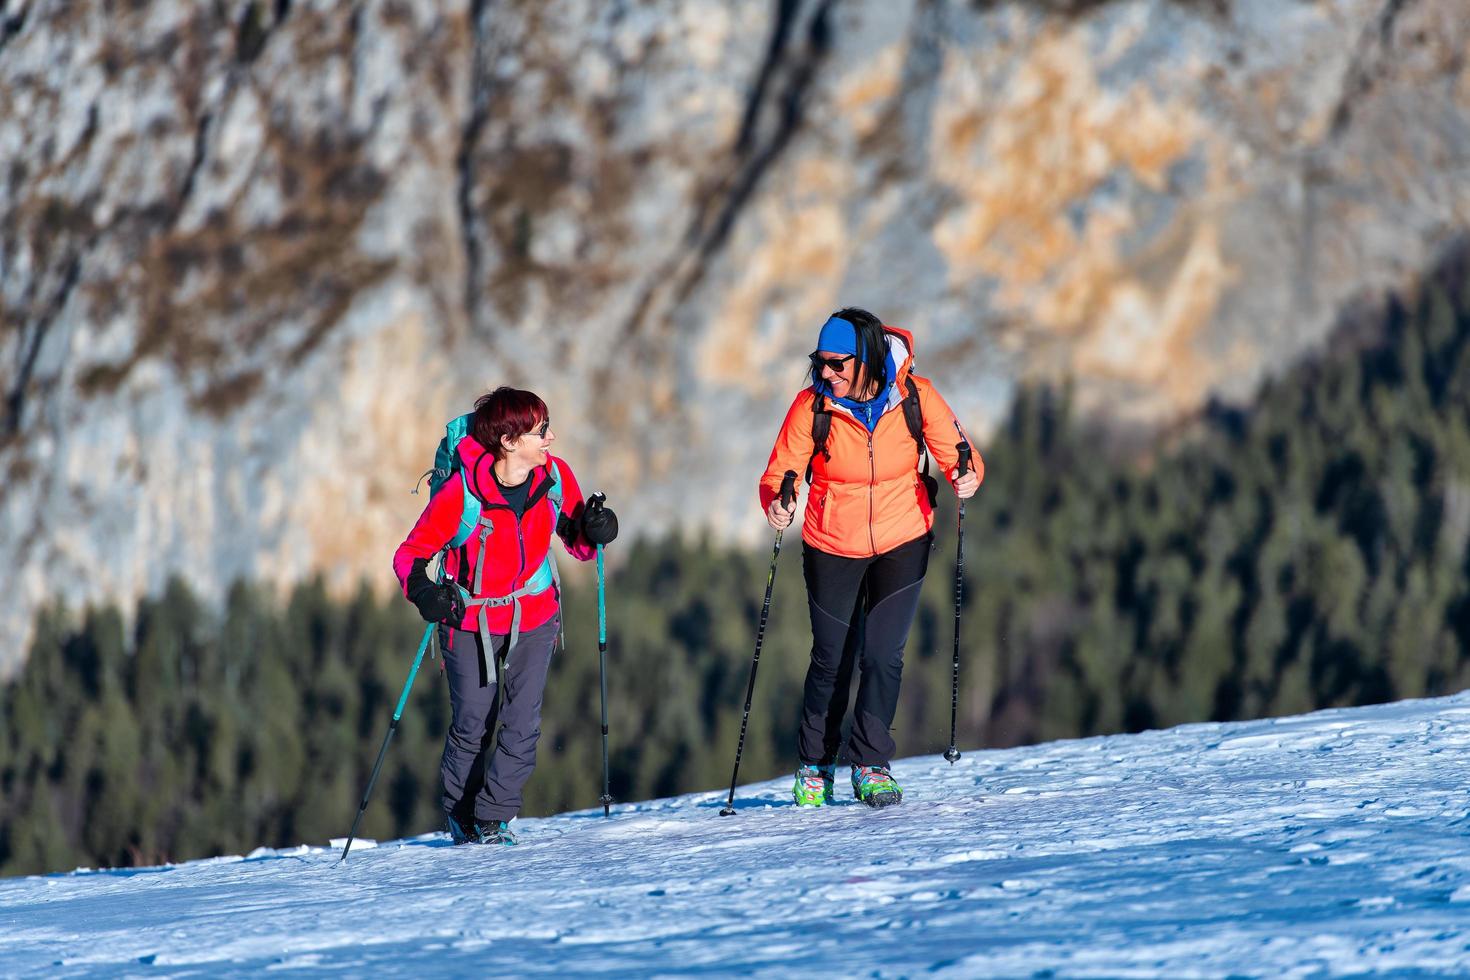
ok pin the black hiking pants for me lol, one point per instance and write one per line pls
(482, 780)
(861, 611)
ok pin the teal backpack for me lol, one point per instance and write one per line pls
(446, 464)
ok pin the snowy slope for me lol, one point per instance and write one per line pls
(1337, 842)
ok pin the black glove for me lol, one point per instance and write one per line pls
(599, 524)
(567, 528)
(436, 603)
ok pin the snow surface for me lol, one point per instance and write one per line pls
(1331, 843)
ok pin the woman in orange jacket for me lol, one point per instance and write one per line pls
(859, 431)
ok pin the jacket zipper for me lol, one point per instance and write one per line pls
(520, 544)
(872, 478)
(531, 501)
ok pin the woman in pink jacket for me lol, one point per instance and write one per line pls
(499, 601)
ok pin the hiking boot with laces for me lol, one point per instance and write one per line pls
(814, 785)
(875, 786)
(494, 832)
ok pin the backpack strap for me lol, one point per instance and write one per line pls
(555, 493)
(821, 428)
(913, 414)
(484, 529)
(555, 496)
(470, 510)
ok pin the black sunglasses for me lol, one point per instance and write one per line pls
(835, 363)
(543, 428)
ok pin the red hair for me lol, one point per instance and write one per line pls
(506, 412)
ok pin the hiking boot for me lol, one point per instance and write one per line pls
(814, 785)
(875, 786)
(459, 832)
(494, 832)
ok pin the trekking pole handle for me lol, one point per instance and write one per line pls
(788, 489)
(964, 449)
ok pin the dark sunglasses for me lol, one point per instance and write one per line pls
(543, 428)
(835, 363)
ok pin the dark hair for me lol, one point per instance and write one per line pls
(507, 412)
(872, 343)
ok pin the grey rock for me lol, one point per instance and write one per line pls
(253, 254)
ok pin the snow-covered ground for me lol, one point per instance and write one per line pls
(1332, 843)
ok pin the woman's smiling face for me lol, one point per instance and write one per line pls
(839, 371)
(533, 448)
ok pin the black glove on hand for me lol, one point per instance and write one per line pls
(436, 603)
(567, 529)
(599, 525)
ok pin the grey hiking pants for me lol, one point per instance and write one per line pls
(482, 780)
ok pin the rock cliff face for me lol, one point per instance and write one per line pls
(252, 254)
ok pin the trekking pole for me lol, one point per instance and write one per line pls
(606, 798)
(788, 494)
(392, 727)
(952, 754)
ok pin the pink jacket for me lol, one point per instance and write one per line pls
(515, 549)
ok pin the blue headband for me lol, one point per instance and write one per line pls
(838, 336)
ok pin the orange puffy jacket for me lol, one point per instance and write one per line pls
(868, 498)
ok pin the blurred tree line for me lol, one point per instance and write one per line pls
(1307, 552)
